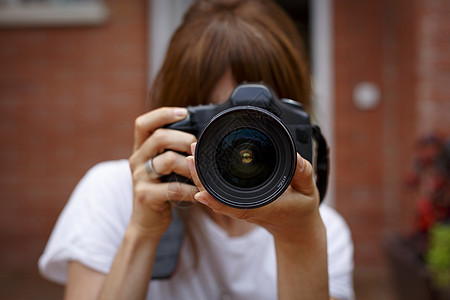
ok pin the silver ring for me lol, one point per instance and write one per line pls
(150, 169)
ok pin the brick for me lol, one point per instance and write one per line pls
(68, 97)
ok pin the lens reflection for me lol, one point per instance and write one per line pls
(246, 158)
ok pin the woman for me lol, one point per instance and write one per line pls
(105, 241)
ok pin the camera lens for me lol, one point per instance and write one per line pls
(245, 157)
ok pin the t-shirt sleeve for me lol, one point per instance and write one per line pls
(340, 254)
(92, 224)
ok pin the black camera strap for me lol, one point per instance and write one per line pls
(168, 251)
(322, 161)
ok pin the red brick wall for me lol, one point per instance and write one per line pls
(359, 144)
(68, 98)
(433, 66)
(401, 46)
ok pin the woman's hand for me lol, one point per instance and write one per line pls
(151, 198)
(133, 263)
(288, 217)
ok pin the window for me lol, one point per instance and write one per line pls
(50, 13)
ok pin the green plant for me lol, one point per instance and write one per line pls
(438, 254)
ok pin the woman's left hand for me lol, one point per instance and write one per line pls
(295, 223)
(290, 217)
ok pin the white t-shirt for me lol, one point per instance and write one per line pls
(91, 227)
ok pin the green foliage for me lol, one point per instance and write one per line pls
(438, 255)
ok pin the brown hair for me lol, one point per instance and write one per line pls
(255, 38)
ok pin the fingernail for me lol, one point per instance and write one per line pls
(302, 162)
(193, 148)
(190, 162)
(200, 199)
(180, 112)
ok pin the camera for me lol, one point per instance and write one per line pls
(246, 150)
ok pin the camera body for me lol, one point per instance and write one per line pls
(246, 150)
(290, 112)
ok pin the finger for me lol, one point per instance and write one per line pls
(202, 196)
(163, 139)
(193, 146)
(171, 162)
(191, 166)
(155, 195)
(145, 124)
(178, 191)
(152, 173)
(303, 180)
(218, 207)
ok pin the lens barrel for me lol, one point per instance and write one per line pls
(245, 157)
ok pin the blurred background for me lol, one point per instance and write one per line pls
(75, 73)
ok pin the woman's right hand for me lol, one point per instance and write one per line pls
(152, 211)
(132, 267)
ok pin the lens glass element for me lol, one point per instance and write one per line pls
(246, 158)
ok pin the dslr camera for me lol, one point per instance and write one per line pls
(246, 150)
(245, 155)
